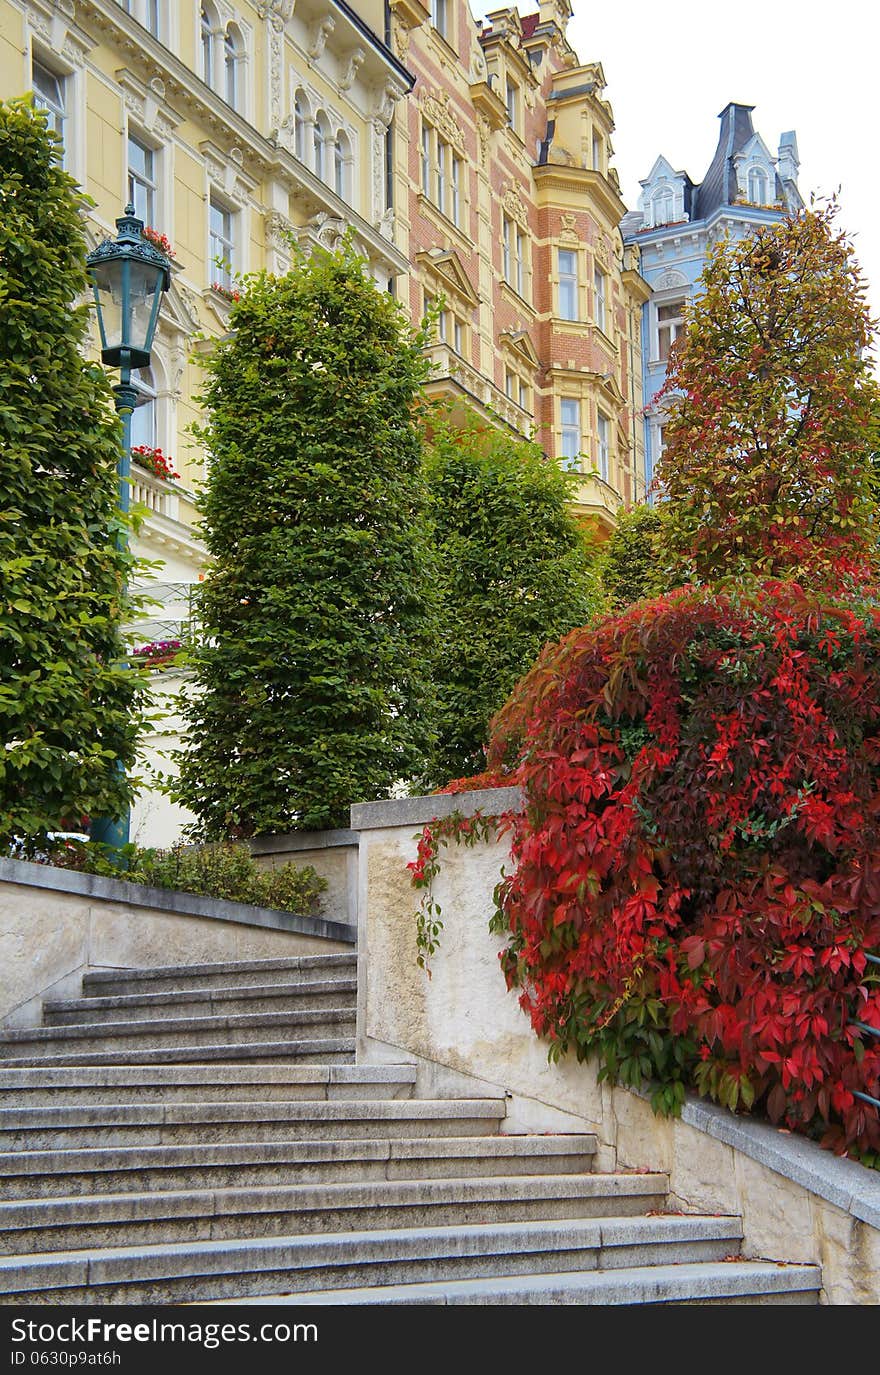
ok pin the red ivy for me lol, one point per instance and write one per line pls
(698, 861)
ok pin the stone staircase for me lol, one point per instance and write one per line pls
(202, 1134)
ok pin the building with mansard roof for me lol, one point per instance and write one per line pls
(746, 186)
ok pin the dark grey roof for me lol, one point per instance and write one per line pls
(719, 186)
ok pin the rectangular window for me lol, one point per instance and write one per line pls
(440, 17)
(520, 262)
(458, 336)
(597, 153)
(153, 17)
(49, 94)
(524, 396)
(142, 180)
(426, 160)
(669, 326)
(509, 384)
(222, 244)
(507, 242)
(512, 101)
(442, 174)
(570, 416)
(599, 282)
(457, 177)
(604, 429)
(568, 284)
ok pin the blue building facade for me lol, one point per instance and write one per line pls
(677, 221)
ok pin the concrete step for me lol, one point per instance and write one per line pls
(156, 1124)
(83, 1084)
(240, 1029)
(732, 1281)
(76, 1223)
(325, 1050)
(148, 1169)
(232, 974)
(202, 1270)
(314, 995)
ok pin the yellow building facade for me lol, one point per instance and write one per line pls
(470, 158)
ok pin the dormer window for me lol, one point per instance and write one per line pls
(758, 186)
(663, 207)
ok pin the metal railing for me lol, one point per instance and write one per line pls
(868, 1031)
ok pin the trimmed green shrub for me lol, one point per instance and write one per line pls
(311, 679)
(70, 710)
(514, 570)
(630, 563)
(221, 870)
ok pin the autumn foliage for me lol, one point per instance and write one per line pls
(698, 862)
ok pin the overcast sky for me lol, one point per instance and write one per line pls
(815, 68)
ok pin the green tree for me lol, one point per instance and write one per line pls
(767, 464)
(310, 678)
(514, 570)
(630, 563)
(69, 708)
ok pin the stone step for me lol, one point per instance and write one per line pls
(314, 995)
(84, 1084)
(326, 1050)
(240, 1029)
(199, 1270)
(129, 1169)
(732, 1281)
(159, 1124)
(76, 1223)
(232, 974)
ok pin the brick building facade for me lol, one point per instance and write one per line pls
(507, 207)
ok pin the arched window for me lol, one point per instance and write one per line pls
(299, 123)
(207, 28)
(757, 186)
(322, 140)
(233, 50)
(342, 166)
(143, 418)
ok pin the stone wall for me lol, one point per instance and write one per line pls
(332, 854)
(55, 925)
(466, 1033)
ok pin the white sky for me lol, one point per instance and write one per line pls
(812, 67)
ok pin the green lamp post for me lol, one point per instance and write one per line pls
(128, 277)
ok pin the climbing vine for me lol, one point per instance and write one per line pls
(440, 830)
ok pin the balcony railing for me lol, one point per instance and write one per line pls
(161, 496)
(446, 363)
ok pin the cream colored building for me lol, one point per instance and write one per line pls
(470, 158)
(227, 125)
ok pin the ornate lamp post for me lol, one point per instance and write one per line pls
(128, 277)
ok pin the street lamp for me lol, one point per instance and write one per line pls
(128, 277)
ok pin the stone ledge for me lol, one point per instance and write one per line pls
(47, 876)
(849, 1186)
(292, 841)
(418, 811)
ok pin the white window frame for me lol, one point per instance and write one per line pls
(223, 276)
(603, 445)
(600, 287)
(667, 330)
(150, 181)
(570, 432)
(59, 113)
(568, 284)
(440, 17)
(513, 102)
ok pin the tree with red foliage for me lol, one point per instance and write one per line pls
(697, 870)
(767, 466)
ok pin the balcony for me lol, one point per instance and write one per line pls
(452, 375)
